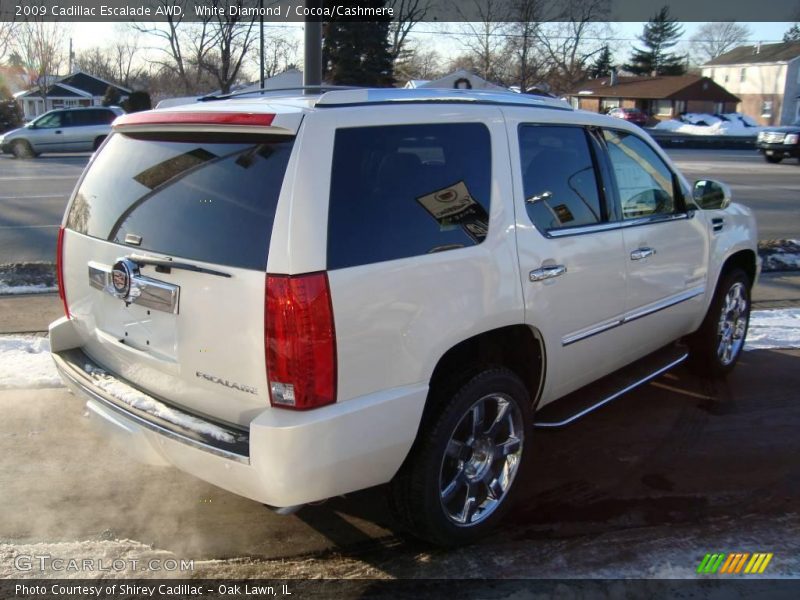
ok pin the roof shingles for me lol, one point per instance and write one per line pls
(675, 87)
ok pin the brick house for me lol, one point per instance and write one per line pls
(765, 76)
(664, 97)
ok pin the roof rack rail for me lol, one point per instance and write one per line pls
(297, 88)
(371, 96)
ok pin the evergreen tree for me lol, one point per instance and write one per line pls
(602, 66)
(793, 34)
(358, 53)
(660, 34)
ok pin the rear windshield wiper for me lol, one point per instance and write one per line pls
(165, 266)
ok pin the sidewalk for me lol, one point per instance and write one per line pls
(32, 313)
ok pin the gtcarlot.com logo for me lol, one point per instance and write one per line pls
(735, 563)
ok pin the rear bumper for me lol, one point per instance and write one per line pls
(286, 458)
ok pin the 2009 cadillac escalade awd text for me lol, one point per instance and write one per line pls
(298, 296)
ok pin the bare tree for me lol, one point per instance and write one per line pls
(7, 31)
(522, 32)
(232, 36)
(713, 39)
(484, 38)
(418, 63)
(280, 53)
(574, 37)
(97, 61)
(123, 53)
(408, 14)
(40, 47)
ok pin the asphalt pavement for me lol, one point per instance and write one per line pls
(34, 194)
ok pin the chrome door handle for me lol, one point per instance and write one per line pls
(547, 272)
(641, 253)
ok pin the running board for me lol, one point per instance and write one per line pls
(589, 398)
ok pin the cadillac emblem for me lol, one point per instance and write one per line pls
(121, 275)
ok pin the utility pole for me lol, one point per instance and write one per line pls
(261, 47)
(312, 63)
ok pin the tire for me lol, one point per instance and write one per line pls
(22, 149)
(449, 464)
(98, 142)
(716, 346)
(773, 159)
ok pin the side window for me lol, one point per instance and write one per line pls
(407, 190)
(50, 121)
(558, 177)
(645, 183)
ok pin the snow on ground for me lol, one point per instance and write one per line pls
(774, 329)
(39, 288)
(780, 255)
(25, 362)
(704, 124)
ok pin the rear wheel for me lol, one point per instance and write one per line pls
(22, 149)
(460, 477)
(717, 345)
(773, 159)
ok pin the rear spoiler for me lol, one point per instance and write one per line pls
(214, 121)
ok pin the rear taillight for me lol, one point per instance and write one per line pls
(300, 341)
(60, 270)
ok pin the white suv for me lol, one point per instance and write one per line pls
(295, 297)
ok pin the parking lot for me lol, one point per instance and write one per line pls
(671, 471)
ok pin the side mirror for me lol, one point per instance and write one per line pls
(711, 195)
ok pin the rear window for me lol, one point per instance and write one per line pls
(407, 190)
(204, 198)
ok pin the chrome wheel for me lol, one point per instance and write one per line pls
(481, 460)
(732, 324)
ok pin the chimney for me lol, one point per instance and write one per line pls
(613, 79)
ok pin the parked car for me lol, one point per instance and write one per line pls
(298, 297)
(62, 130)
(632, 115)
(777, 143)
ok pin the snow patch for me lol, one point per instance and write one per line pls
(780, 255)
(25, 363)
(39, 288)
(778, 328)
(141, 401)
(733, 124)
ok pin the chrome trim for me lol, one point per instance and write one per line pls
(144, 291)
(65, 370)
(633, 315)
(642, 253)
(547, 272)
(133, 239)
(613, 396)
(584, 229)
(576, 337)
(666, 303)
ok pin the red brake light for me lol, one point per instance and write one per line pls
(300, 341)
(194, 118)
(60, 271)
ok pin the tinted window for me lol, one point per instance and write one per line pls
(92, 117)
(194, 198)
(558, 177)
(645, 183)
(407, 190)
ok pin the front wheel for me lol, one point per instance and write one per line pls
(717, 345)
(773, 159)
(22, 149)
(460, 477)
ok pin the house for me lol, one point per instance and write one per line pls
(457, 79)
(664, 97)
(76, 89)
(765, 76)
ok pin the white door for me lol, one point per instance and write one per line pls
(571, 251)
(666, 245)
